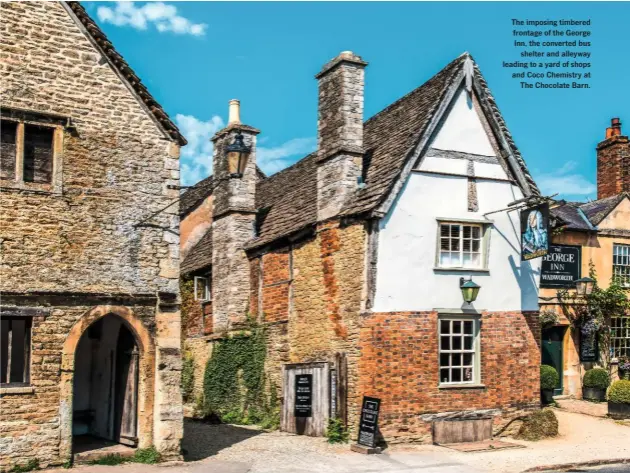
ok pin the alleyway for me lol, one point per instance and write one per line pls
(236, 449)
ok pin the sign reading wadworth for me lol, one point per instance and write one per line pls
(369, 421)
(561, 267)
(303, 395)
(534, 232)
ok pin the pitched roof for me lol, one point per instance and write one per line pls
(117, 61)
(585, 216)
(287, 200)
(195, 195)
(199, 256)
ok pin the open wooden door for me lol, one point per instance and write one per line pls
(126, 399)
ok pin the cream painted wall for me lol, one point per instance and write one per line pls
(407, 246)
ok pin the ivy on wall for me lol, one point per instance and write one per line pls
(234, 381)
(187, 294)
(188, 376)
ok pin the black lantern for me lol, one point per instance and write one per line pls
(584, 286)
(469, 289)
(237, 154)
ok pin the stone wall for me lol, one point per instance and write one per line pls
(78, 244)
(399, 365)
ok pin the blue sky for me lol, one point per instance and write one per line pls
(196, 56)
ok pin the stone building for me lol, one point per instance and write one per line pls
(352, 258)
(598, 234)
(90, 249)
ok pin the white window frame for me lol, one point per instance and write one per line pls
(208, 292)
(484, 236)
(621, 263)
(620, 336)
(475, 350)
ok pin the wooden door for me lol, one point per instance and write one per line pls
(552, 346)
(315, 424)
(126, 399)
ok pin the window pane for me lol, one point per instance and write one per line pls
(456, 359)
(38, 153)
(445, 259)
(468, 343)
(455, 245)
(457, 326)
(468, 327)
(444, 244)
(457, 343)
(468, 260)
(444, 230)
(8, 132)
(476, 232)
(476, 260)
(444, 359)
(4, 349)
(467, 231)
(445, 326)
(476, 244)
(445, 343)
(455, 231)
(468, 358)
(456, 259)
(456, 375)
(444, 377)
(468, 374)
(466, 245)
(18, 335)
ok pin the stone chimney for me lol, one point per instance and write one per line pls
(613, 162)
(339, 132)
(234, 214)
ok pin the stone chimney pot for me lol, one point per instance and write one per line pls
(234, 116)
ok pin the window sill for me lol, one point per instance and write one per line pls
(463, 270)
(462, 386)
(17, 390)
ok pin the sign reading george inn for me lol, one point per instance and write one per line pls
(561, 267)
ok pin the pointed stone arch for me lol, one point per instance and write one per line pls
(146, 389)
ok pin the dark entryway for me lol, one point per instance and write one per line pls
(551, 346)
(105, 392)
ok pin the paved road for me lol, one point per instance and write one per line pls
(618, 468)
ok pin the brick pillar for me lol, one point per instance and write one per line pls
(613, 162)
(234, 216)
(339, 132)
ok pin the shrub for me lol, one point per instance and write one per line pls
(596, 378)
(548, 377)
(146, 455)
(539, 425)
(336, 431)
(619, 392)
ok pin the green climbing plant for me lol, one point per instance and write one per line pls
(235, 388)
(188, 376)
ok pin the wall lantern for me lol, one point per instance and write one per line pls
(584, 286)
(237, 154)
(469, 289)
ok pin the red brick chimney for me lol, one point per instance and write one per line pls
(613, 162)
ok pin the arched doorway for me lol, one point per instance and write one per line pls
(105, 383)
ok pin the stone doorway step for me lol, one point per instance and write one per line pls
(87, 449)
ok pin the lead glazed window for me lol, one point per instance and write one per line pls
(461, 245)
(459, 350)
(30, 150)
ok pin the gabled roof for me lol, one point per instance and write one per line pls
(194, 196)
(199, 256)
(586, 216)
(287, 200)
(126, 72)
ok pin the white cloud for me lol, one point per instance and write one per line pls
(565, 181)
(274, 159)
(196, 156)
(164, 17)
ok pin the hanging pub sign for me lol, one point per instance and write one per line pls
(589, 348)
(369, 421)
(561, 267)
(534, 232)
(303, 395)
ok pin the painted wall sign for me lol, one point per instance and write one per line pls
(303, 395)
(369, 421)
(534, 232)
(561, 267)
(589, 348)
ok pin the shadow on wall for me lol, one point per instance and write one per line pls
(202, 439)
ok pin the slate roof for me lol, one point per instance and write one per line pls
(199, 256)
(195, 195)
(117, 61)
(578, 215)
(287, 200)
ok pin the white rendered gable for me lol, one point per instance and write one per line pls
(462, 129)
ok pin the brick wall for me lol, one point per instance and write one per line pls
(613, 166)
(399, 365)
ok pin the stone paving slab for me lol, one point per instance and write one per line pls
(596, 409)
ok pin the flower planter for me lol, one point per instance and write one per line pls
(618, 410)
(546, 396)
(594, 394)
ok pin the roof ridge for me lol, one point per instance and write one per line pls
(118, 62)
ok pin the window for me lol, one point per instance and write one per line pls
(621, 264)
(202, 288)
(30, 145)
(460, 246)
(620, 336)
(459, 350)
(15, 350)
